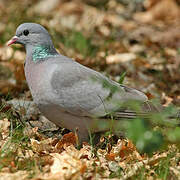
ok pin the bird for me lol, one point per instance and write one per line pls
(69, 94)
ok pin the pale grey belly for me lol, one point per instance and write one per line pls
(62, 118)
(79, 124)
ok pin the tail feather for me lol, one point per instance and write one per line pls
(147, 109)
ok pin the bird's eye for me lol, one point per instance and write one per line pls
(26, 32)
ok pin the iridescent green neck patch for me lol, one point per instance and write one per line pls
(40, 53)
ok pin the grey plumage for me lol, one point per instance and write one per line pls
(68, 93)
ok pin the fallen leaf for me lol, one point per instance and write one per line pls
(67, 140)
(14, 176)
(120, 58)
(159, 12)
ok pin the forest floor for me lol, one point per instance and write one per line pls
(134, 40)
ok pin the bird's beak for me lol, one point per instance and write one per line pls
(12, 40)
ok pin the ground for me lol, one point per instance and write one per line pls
(135, 42)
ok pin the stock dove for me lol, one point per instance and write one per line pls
(66, 92)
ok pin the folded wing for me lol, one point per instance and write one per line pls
(85, 92)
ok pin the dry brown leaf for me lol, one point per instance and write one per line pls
(149, 95)
(67, 140)
(150, 3)
(126, 149)
(6, 53)
(43, 146)
(6, 86)
(49, 176)
(175, 170)
(120, 58)
(4, 125)
(111, 156)
(156, 158)
(19, 56)
(166, 100)
(68, 163)
(159, 12)
(19, 72)
(45, 7)
(14, 176)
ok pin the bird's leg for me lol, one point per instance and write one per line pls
(82, 135)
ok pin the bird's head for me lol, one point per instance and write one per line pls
(31, 34)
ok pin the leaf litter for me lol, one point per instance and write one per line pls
(143, 44)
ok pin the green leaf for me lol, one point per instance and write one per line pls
(145, 139)
(122, 76)
(174, 135)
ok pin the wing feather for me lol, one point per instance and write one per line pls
(85, 92)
